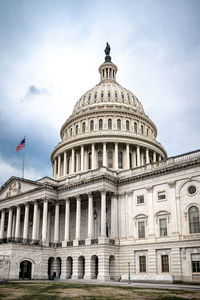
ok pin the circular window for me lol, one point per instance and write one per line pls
(192, 189)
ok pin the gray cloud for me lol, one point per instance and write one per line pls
(35, 91)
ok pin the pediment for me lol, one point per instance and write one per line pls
(16, 186)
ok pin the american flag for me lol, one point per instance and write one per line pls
(21, 145)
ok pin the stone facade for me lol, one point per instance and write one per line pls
(114, 200)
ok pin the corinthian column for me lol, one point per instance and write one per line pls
(82, 158)
(59, 166)
(127, 157)
(56, 224)
(65, 164)
(72, 165)
(10, 214)
(116, 156)
(26, 221)
(35, 219)
(44, 220)
(93, 156)
(138, 156)
(78, 218)
(2, 223)
(103, 213)
(147, 156)
(90, 216)
(17, 222)
(67, 218)
(104, 155)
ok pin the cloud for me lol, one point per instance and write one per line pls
(10, 168)
(35, 91)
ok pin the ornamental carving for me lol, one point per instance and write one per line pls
(172, 184)
(14, 189)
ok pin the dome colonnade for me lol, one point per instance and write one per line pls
(109, 128)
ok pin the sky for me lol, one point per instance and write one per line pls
(50, 52)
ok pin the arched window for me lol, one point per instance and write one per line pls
(135, 126)
(102, 95)
(95, 96)
(100, 124)
(76, 129)
(122, 96)
(130, 160)
(83, 127)
(194, 219)
(116, 95)
(90, 160)
(127, 125)
(100, 159)
(109, 124)
(118, 124)
(109, 94)
(91, 125)
(142, 129)
(110, 159)
(71, 132)
(147, 131)
(89, 97)
(120, 160)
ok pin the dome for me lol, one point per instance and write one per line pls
(108, 91)
(109, 128)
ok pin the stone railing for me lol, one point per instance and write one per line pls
(159, 165)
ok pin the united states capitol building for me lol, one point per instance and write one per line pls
(115, 201)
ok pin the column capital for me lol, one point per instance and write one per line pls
(150, 188)
(172, 183)
(115, 194)
(103, 190)
(78, 197)
(67, 199)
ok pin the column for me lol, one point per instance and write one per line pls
(78, 217)
(56, 223)
(59, 160)
(44, 220)
(147, 156)
(103, 213)
(127, 157)
(26, 221)
(35, 213)
(104, 155)
(72, 165)
(114, 217)
(93, 156)
(138, 156)
(173, 201)
(154, 156)
(78, 162)
(82, 158)
(55, 167)
(67, 219)
(116, 156)
(2, 223)
(38, 225)
(10, 214)
(65, 163)
(134, 158)
(17, 228)
(159, 157)
(90, 216)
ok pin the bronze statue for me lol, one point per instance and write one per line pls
(107, 50)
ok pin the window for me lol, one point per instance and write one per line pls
(122, 96)
(116, 95)
(95, 96)
(142, 129)
(127, 125)
(141, 230)
(71, 132)
(142, 264)
(118, 124)
(147, 131)
(110, 159)
(195, 263)
(109, 94)
(102, 95)
(120, 160)
(90, 161)
(135, 126)
(192, 190)
(194, 220)
(100, 159)
(100, 124)
(140, 199)
(163, 227)
(76, 129)
(109, 124)
(161, 195)
(165, 263)
(91, 125)
(89, 97)
(68, 165)
(83, 127)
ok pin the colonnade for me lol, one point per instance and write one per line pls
(119, 156)
(45, 203)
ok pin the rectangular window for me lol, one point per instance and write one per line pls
(165, 263)
(141, 230)
(161, 195)
(196, 263)
(142, 264)
(163, 227)
(140, 199)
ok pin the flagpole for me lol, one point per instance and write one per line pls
(23, 157)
